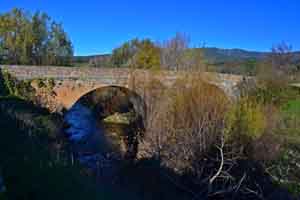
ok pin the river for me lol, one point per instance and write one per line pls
(94, 143)
(87, 137)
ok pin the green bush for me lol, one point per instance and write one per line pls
(245, 123)
(10, 83)
(13, 87)
(291, 118)
(246, 118)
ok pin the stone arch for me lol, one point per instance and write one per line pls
(96, 95)
(106, 101)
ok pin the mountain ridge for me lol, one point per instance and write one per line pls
(211, 54)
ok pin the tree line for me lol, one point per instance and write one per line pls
(176, 53)
(33, 39)
(172, 54)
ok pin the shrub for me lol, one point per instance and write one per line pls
(193, 130)
(10, 83)
(14, 87)
(291, 116)
(185, 122)
(247, 117)
(245, 123)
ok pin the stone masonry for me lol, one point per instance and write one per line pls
(71, 83)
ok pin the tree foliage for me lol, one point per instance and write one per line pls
(33, 39)
(173, 54)
(137, 53)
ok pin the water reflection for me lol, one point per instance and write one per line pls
(81, 123)
(87, 137)
(96, 142)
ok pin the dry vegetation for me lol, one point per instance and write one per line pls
(217, 146)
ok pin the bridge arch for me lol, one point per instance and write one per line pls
(115, 98)
(111, 102)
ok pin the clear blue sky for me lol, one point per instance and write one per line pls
(97, 26)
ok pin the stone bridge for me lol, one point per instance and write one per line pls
(71, 83)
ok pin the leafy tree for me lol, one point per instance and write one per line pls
(147, 56)
(13, 27)
(27, 39)
(138, 54)
(59, 47)
(40, 37)
(122, 55)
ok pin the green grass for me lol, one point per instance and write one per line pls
(292, 107)
(291, 118)
(286, 170)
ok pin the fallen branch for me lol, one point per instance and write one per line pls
(211, 180)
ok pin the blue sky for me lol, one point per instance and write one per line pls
(97, 26)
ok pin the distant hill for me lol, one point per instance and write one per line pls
(217, 55)
(212, 55)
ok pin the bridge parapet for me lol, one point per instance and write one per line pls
(34, 72)
(73, 82)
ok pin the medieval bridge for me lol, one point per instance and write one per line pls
(71, 83)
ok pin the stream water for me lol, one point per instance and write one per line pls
(81, 123)
(95, 144)
(87, 137)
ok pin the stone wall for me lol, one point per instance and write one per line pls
(34, 72)
(72, 82)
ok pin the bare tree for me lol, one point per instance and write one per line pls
(282, 58)
(173, 51)
(279, 67)
(176, 54)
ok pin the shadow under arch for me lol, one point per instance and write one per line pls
(112, 99)
(107, 101)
